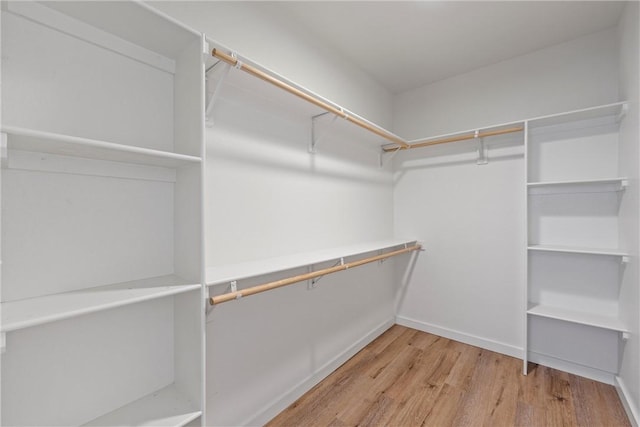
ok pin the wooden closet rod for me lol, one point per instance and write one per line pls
(425, 143)
(302, 277)
(300, 94)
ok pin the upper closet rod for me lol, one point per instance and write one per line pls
(297, 92)
(425, 143)
(302, 277)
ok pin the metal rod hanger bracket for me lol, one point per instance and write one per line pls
(216, 94)
(483, 159)
(623, 113)
(3, 149)
(311, 275)
(315, 137)
(383, 161)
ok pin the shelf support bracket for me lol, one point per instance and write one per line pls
(311, 283)
(3, 342)
(383, 161)
(625, 336)
(216, 94)
(623, 113)
(314, 132)
(3, 149)
(624, 260)
(483, 159)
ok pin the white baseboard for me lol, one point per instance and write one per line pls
(281, 402)
(629, 404)
(474, 340)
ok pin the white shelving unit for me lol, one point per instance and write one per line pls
(575, 262)
(102, 278)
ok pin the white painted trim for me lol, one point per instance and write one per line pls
(474, 340)
(281, 402)
(627, 401)
(572, 368)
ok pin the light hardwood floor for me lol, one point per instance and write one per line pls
(411, 378)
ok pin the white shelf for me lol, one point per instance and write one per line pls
(125, 27)
(608, 110)
(66, 145)
(227, 273)
(583, 318)
(165, 407)
(578, 186)
(578, 250)
(49, 308)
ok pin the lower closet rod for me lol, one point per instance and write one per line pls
(302, 277)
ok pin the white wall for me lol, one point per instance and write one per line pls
(469, 285)
(629, 378)
(568, 76)
(287, 51)
(267, 196)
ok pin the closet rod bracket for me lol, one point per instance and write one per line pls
(3, 148)
(383, 161)
(483, 159)
(312, 283)
(315, 137)
(3, 342)
(624, 109)
(216, 94)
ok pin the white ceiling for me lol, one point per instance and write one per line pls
(407, 44)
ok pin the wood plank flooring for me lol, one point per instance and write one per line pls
(411, 378)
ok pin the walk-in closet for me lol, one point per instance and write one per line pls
(319, 213)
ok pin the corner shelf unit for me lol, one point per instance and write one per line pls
(102, 278)
(575, 262)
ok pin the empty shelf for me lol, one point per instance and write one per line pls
(228, 273)
(66, 145)
(165, 407)
(583, 318)
(608, 110)
(578, 186)
(577, 250)
(49, 308)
